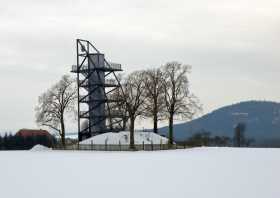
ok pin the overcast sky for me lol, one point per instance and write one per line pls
(233, 46)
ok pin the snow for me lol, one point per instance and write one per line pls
(123, 138)
(39, 147)
(195, 173)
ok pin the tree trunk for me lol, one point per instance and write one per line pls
(155, 123)
(131, 130)
(170, 140)
(62, 133)
(155, 115)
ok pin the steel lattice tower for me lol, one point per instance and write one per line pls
(102, 101)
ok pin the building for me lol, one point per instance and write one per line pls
(33, 133)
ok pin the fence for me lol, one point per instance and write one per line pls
(120, 147)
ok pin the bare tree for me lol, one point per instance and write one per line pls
(179, 102)
(55, 103)
(120, 106)
(134, 99)
(154, 94)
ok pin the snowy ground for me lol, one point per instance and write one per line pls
(193, 173)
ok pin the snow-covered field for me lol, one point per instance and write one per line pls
(193, 173)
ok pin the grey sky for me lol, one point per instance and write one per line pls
(233, 46)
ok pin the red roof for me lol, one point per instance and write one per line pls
(33, 132)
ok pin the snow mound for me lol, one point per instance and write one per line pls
(39, 147)
(123, 138)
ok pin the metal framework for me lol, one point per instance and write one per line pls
(102, 101)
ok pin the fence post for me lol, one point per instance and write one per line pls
(143, 146)
(160, 144)
(78, 145)
(120, 145)
(105, 145)
(91, 145)
(152, 146)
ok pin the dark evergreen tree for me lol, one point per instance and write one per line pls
(5, 142)
(1, 142)
(239, 135)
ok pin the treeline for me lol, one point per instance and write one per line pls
(204, 138)
(16, 142)
(161, 93)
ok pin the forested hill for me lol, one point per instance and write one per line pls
(262, 120)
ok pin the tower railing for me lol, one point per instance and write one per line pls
(113, 113)
(114, 66)
(107, 82)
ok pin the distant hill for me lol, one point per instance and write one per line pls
(262, 120)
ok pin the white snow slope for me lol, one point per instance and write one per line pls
(123, 138)
(193, 173)
(39, 147)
